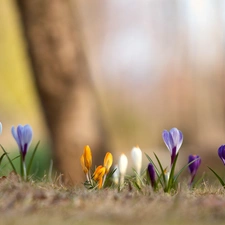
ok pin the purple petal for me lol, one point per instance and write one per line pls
(151, 173)
(173, 155)
(27, 134)
(168, 140)
(221, 153)
(194, 166)
(177, 137)
(15, 135)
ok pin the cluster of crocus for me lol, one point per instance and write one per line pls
(100, 172)
(173, 140)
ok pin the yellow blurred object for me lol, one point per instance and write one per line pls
(108, 160)
(87, 157)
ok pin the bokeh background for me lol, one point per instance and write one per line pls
(155, 65)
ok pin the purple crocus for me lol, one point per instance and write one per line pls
(173, 140)
(23, 137)
(221, 153)
(193, 167)
(151, 174)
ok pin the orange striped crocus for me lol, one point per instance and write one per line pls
(98, 175)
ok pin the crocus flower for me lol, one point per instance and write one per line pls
(193, 167)
(151, 174)
(136, 155)
(98, 175)
(87, 157)
(23, 137)
(108, 160)
(86, 162)
(123, 162)
(221, 153)
(0, 127)
(173, 140)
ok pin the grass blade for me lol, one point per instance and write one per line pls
(2, 156)
(161, 168)
(10, 161)
(32, 158)
(171, 178)
(183, 168)
(151, 161)
(218, 177)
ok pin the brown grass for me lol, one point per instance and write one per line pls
(42, 203)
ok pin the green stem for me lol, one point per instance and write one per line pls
(24, 171)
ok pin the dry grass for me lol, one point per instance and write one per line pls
(41, 203)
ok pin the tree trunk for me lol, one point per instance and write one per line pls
(63, 83)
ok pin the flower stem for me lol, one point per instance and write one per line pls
(24, 171)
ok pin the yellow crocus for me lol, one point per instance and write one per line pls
(87, 157)
(108, 160)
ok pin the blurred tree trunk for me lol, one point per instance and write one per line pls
(63, 82)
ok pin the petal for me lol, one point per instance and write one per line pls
(27, 134)
(221, 153)
(168, 140)
(108, 160)
(177, 137)
(87, 157)
(20, 136)
(15, 135)
(0, 127)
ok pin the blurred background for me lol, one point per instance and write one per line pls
(154, 64)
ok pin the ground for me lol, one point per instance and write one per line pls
(47, 203)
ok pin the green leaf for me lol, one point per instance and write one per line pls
(171, 178)
(218, 177)
(1, 158)
(162, 170)
(195, 184)
(10, 161)
(159, 175)
(183, 168)
(32, 158)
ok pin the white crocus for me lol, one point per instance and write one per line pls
(123, 163)
(136, 155)
(0, 127)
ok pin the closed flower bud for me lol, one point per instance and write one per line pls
(136, 155)
(108, 160)
(151, 174)
(87, 157)
(123, 162)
